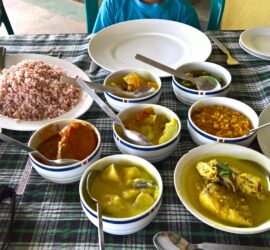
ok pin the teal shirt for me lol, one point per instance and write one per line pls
(115, 11)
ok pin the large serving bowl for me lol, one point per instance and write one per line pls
(152, 153)
(128, 225)
(62, 174)
(201, 137)
(189, 96)
(183, 180)
(119, 103)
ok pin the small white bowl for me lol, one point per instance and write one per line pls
(201, 137)
(62, 174)
(189, 160)
(119, 103)
(129, 225)
(189, 96)
(153, 153)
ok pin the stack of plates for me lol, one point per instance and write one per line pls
(256, 41)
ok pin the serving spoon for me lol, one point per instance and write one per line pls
(92, 174)
(255, 129)
(202, 82)
(172, 241)
(37, 154)
(140, 92)
(131, 135)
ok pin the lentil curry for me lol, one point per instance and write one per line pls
(221, 121)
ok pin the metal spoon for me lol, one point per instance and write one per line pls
(202, 82)
(172, 241)
(141, 92)
(130, 135)
(37, 154)
(259, 127)
(92, 174)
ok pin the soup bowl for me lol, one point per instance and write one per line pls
(152, 153)
(188, 96)
(199, 136)
(126, 225)
(184, 178)
(119, 103)
(62, 174)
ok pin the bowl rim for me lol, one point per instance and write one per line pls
(214, 137)
(151, 147)
(204, 92)
(139, 99)
(71, 166)
(122, 158)
(265, 226)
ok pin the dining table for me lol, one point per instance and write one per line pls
(50, 216)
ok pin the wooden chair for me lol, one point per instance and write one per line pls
(4, 19)
(91, 11)
(238, 14)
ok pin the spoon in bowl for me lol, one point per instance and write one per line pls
(92, 174)
(172, 241)
(131, 135)
(37, 154)
(140, 92)
(255, 129)
(204, 83)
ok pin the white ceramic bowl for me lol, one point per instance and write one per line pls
(119, 103)
(189, 96)
(122, 226)
(189, 160)
(201, 137)
(61, 174)
(153, 153)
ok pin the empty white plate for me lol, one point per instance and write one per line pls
(171, 43)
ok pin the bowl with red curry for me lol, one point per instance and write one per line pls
(66, 139)
(221, 119)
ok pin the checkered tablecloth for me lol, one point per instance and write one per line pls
(49, 216)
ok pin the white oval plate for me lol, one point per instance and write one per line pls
(257, 40)
(171, 43)
(82, 106)
(263, 135)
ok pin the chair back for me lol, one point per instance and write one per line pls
(4, 19)
(238, 14)
(91, 11)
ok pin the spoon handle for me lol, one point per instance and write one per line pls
(16, 143)
(217, 246)
(164, 67)
(259, 127)
(97, 86)
(99, 101)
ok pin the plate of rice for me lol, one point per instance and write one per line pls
(31, 94)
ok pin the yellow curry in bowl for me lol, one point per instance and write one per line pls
(114, 188)
(132, 82)
(230, 191)
(158, 128)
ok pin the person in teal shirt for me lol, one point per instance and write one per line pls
(115, 11)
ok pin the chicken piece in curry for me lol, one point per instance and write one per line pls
(231, 194)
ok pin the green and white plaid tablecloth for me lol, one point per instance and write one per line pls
(49, 216)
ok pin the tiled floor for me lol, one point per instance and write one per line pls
(62, 16)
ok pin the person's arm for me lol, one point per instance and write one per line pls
(105, 16)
